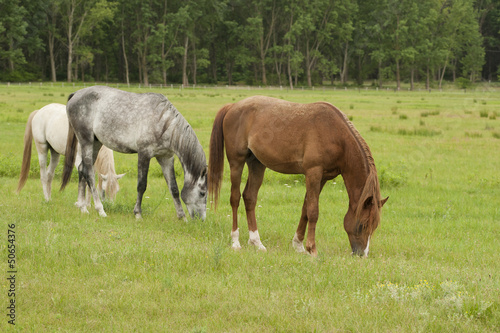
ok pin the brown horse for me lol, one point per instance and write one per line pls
(316, 140)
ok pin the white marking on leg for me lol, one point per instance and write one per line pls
(297, 244)
(367, 247)
(235, 236)
(254, 239)
(83, 207)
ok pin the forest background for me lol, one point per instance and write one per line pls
(252, 42)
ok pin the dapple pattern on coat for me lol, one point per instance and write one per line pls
(146, 124)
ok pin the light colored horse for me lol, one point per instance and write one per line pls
(146, 124)
(48, 127)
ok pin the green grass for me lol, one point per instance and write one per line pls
(433, 263)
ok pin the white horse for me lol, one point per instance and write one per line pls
(49, 129)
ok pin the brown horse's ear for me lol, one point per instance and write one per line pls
(368, 202)
(383, 201)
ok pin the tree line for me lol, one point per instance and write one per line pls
(264, 42)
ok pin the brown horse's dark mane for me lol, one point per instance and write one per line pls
(371, 187)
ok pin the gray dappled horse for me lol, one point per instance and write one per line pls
(146, 124)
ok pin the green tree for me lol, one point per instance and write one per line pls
(78, 19)
(12, 34)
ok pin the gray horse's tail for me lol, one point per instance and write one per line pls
(28, 139)
(70, 156)
(70, 95)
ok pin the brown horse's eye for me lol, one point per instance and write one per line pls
(359, 229)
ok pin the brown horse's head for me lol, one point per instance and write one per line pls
(361, 225)
(361, 220)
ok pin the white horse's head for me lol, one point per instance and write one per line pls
(110, 185)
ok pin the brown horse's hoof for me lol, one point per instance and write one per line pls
(312, 250)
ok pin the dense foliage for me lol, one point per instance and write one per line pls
(278, 42)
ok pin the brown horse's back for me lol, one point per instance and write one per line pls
(286, 137)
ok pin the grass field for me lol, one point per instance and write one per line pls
(434, 260)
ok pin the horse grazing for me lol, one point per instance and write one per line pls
(316, 140)
(49, 128)
(146, 124)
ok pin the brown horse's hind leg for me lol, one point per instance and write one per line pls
(255, 176)
(236, 171)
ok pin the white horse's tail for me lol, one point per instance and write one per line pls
(28, 140)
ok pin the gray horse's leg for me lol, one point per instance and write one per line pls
(82, 186)
(167, 166)
(142, 182)
(86, 172)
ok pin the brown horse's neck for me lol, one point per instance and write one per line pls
(359, 172)
(355, 176)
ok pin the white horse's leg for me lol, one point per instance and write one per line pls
(167, 166)
(54, 161)
(42, 149)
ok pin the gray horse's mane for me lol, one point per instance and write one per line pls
(186, 142)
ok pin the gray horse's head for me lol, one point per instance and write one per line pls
(194, 195)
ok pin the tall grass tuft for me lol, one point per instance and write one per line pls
(419, 132)
(429, 113)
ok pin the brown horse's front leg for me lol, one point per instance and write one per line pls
(298, 238)
(314, 185)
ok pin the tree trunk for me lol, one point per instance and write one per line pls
(263, 64)
(380, 74)
(125, 57)
(139, 67)
(229, 69)
(52, 57)
(442, 73)
(185, 81)
(398, 79)
(194, 63)
(343, 75)
(213, 62)
(428, 79)
(70, 55)
(145, 69)
(308, 65)
(412, 77)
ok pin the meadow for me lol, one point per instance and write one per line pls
(433, 265)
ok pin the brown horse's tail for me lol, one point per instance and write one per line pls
(70, 155)
(216, 158)
(28, 140)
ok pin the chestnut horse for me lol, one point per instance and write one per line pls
(316, 140)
